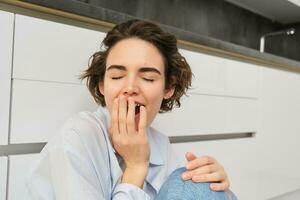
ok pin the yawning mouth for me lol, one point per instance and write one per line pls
(137, 108)
(137, 114)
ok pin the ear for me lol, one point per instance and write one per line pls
(101, 88)
(169, 93)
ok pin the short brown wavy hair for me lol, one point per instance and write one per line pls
(177, 71)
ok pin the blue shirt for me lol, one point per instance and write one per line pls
(80, 163)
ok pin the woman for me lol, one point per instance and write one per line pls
(113, 153)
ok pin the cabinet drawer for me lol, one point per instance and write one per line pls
(39, 109)
(204, 114)
(46, 50)
(221, 76)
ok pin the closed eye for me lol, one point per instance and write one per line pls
(149, 80)
(116, 78)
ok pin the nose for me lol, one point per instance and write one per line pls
(131, 87)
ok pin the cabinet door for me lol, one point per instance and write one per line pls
(39, 109)
(3, 176)
(6, 33)
(50, 51)
(19, 166)
(221, 76)
(205, 114)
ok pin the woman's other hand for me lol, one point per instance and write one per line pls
(206, 169)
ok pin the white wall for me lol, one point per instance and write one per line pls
(228, 96)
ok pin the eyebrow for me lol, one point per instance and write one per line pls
(141, 70)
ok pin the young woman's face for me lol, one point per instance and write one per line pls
(135, 68)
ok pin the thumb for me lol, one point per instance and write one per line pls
(190, 156)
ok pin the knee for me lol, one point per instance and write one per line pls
(176, 188)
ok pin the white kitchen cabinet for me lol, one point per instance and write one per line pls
(242, 78)
(204, 114)
(19, 166)
(50, 51)
(221, 76)
(6, 44)
(3, 177)
(39, 109)
(249, 178)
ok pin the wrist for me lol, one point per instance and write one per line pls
(135, 175)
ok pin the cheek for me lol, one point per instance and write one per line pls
(111, 89)
(155, 95)
(110, 94)
(155, 100)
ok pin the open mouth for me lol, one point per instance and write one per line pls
(137, 108)
(137, 114)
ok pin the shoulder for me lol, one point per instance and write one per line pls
(86, 122)
(85, 129)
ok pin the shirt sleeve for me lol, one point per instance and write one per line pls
(64, 172)
(129, 192)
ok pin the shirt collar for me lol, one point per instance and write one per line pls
(155, 154)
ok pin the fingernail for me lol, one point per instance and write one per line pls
(212, 186)
(185, 176)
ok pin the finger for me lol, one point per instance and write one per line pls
(220, 186)
(122, 115)
(207, 169)
(200, 161)
(190, 156)
(130, 116)
(115, 117)
(213, 177)
(143, 120)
